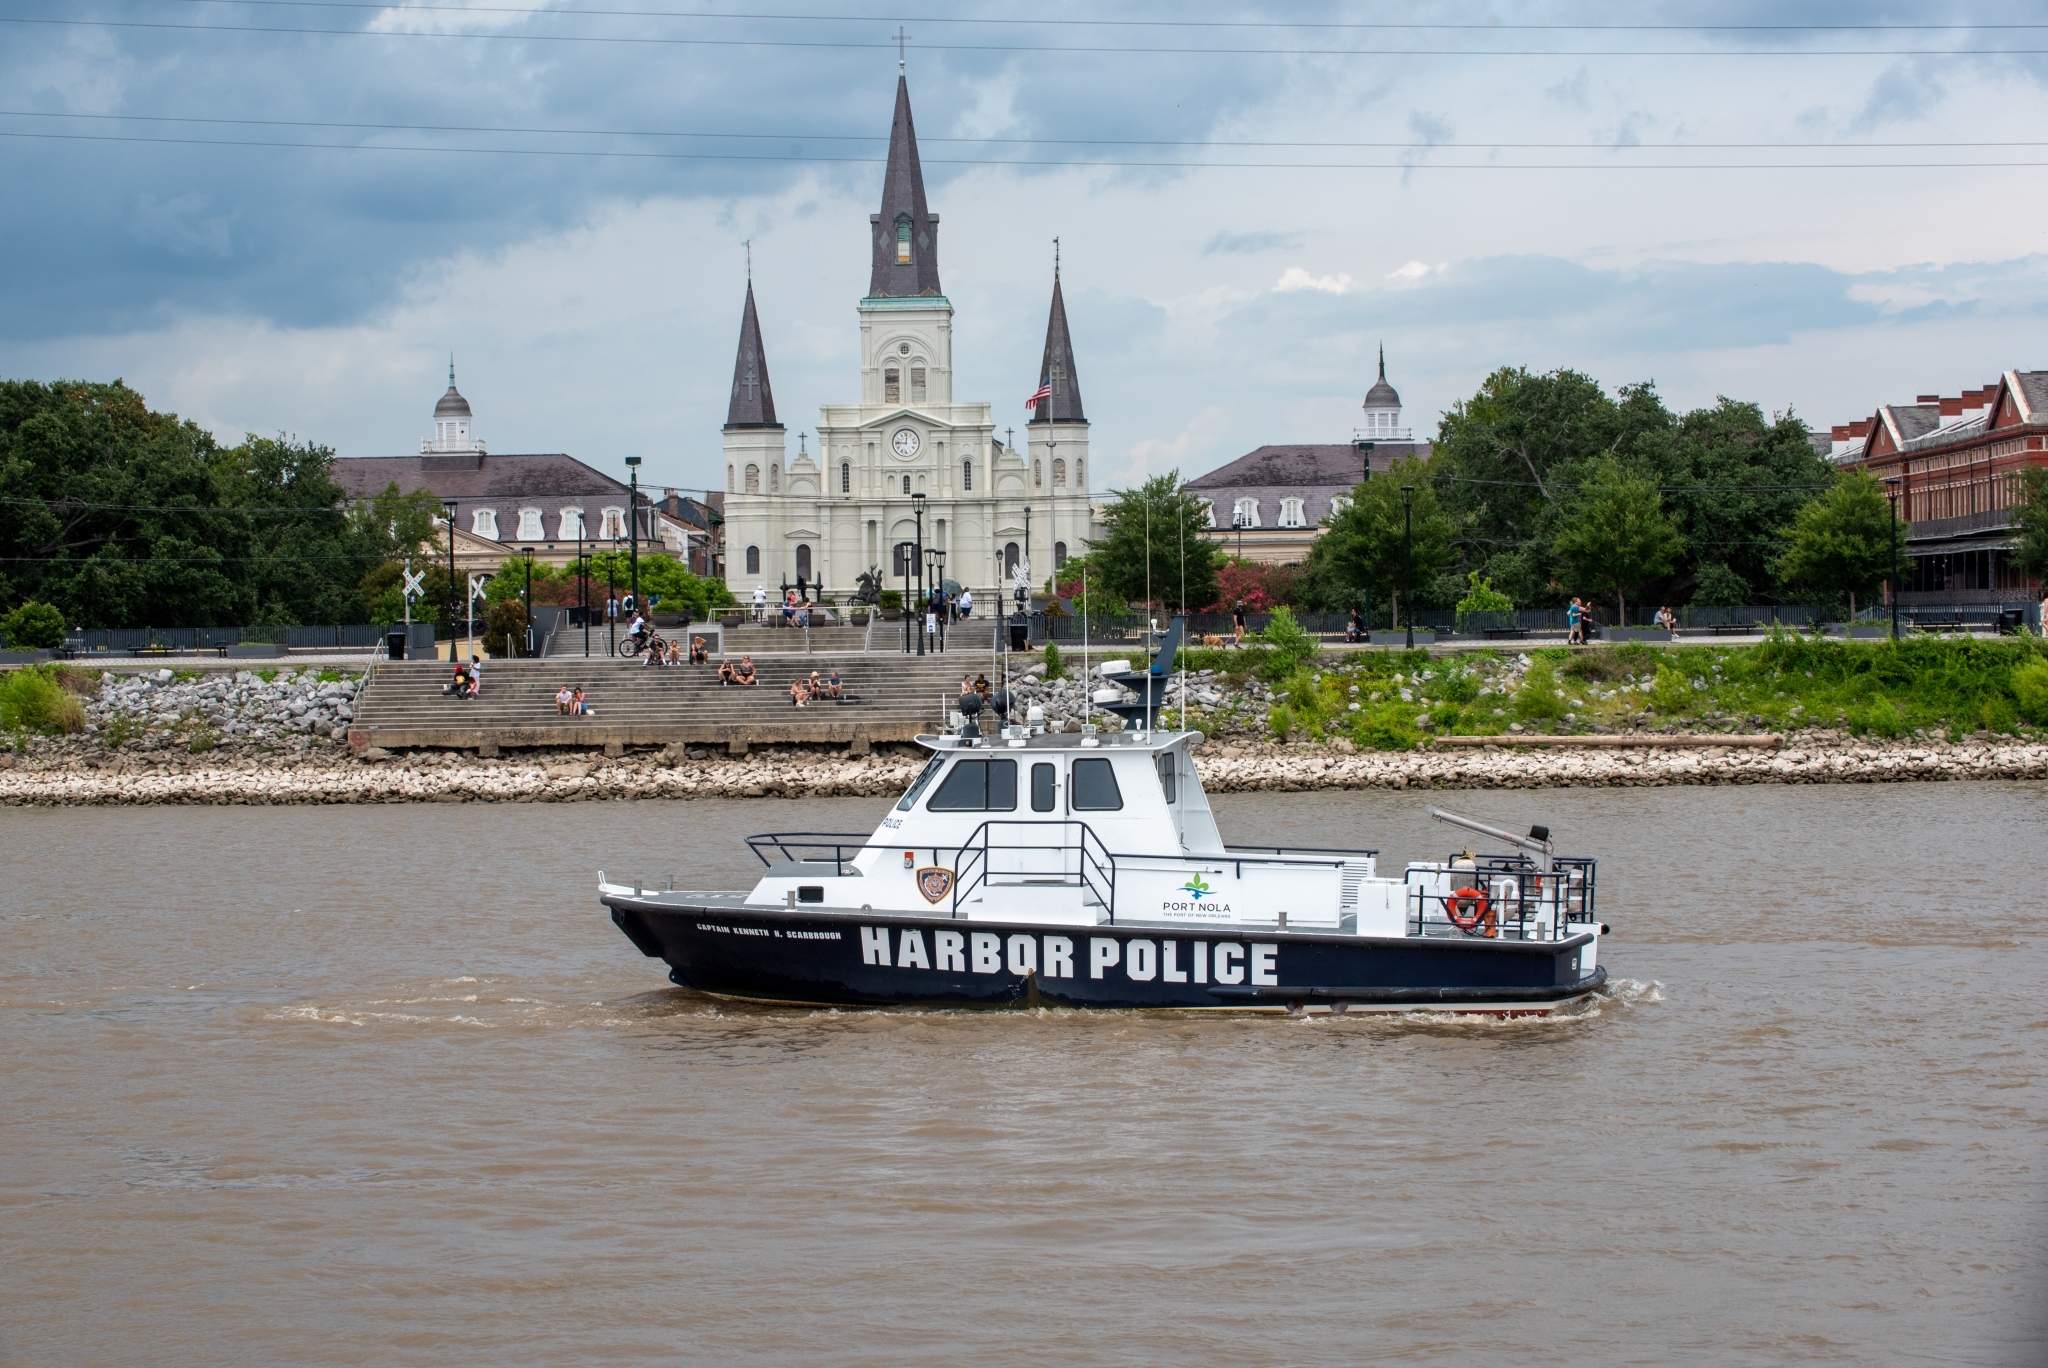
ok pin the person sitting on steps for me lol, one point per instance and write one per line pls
(581, 707)
(834, 688)
(563, 700)
(799, 696)
(744, 675)
(700, 651)
(726, 673)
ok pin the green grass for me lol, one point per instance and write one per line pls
(1918, 685)
(32, 699)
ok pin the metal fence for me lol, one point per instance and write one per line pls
(343, 636)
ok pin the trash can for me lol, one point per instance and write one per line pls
(2010, 621)
(1020, 634)
(394, 643)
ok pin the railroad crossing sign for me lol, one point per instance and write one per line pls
(415, 585)
(476, 587)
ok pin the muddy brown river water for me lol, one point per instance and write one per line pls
(384, 1086)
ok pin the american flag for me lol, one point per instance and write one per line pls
(1040, 395)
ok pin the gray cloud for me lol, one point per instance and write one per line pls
(1250, 242)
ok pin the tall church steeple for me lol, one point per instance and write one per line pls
(753, 402)
(906, 232)
(1057, 371)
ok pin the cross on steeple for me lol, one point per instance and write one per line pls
(900, 39)
(749, 245)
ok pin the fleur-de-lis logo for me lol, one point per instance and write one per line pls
(1196, 888)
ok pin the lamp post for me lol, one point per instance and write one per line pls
(1891, 579)
(1365, 447)
(448, 507)
(527, 552)
(583, 586)
(1237, 521)
(1024, 581)
(917, 558)
(945, 606)
(903, 550)
(633, 523)
(611, 600)
(1408, 560)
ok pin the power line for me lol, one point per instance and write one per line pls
(924, 140)
(1011, 47)
(1266, 25)
(1947, 165)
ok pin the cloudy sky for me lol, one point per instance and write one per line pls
(279, 215)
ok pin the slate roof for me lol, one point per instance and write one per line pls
(1313, 472)
(549, 481)
(753, 401)
(2033, 387)
(903, 196)
(1057, 367)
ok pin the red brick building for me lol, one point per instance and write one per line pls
(1952, 464)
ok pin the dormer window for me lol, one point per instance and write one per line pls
(484, 522)
(572, 525)
(1207, 512)
(903, 240)
(1291, 514)
(529, 525)
(892, 386)
(614, 523)
(1246, 514)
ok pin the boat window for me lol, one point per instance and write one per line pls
(1166, 777)
(978, 786)
(931, 769)
(1095, 787)
(1041, 788)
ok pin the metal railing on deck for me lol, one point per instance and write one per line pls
(1517, 901)
(993, 856)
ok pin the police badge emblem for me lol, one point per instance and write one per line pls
(934, 882)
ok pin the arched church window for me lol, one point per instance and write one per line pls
(753, 560)
(1080, 476)
(1059, 554)
(892, 386)
(1009, 559)
(803, 561)
(753, 478)
(1037, 473)
(967, 476)
(903, 238)
(846, 477)
(1059, 472)
(730, 486)
(906, 484)
(774, 478)
(917, 384)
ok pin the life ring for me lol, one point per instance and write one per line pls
(1482, 910)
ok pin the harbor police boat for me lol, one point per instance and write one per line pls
(1024, 868)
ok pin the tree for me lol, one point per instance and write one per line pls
(1719, 587)
(1363, 553)
(2031, 553)
(33, 627)
(1616, 535)
(1732, 482)
(1481, 597)
(1841, 543)
(1156, 537)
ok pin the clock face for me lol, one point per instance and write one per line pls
(905, 442)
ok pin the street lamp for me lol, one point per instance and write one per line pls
(917, 556)
(1238, 521)
(448, 507)
(904, 550)
(945, 605)
(1408, 560)
(1024, 580)
(1891, 579)
(633, 523)
(527, 552)
(1365, 447)
(583, 586)
(611, 600)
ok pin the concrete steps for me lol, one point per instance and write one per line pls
(890, 697)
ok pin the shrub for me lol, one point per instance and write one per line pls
(505, 628)
(1671, 693)
(32, 700)
(1481, 597)
(33, 627)
(1877, 718)
(2030, 687)
(1539, 695)
(892, 600)
(1281, 721)
(1054, 667)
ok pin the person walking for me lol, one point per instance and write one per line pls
(966, 604)
(1574, 623)
(1237, 624)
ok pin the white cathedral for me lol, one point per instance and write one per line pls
(908, 463)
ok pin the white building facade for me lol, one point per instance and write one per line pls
(906, 465)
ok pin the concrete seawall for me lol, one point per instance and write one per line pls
(327, 775)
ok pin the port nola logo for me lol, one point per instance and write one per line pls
(1197, 889)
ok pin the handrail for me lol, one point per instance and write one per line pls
(1094, 864)
(784, 843)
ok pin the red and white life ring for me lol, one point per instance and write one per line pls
(1473, 898)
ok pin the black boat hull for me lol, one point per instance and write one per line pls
(840, 958)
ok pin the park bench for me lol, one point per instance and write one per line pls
(1506, 633)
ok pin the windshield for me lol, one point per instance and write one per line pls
(931, 767)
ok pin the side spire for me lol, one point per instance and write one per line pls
(753, 402)
(906, 232)
(1058, 379)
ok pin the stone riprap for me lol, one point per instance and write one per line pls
(169, 708)
(71, 773)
